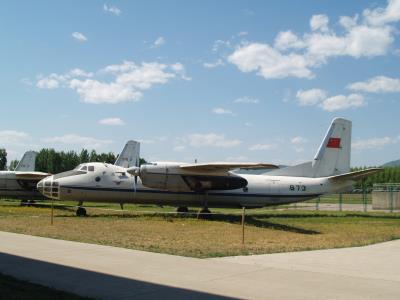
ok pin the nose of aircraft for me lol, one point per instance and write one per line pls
(49, 187)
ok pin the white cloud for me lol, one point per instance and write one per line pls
(159, 42)
(248, 124)
(380, 16)
(287, 39)
(373, 143)
(297, 56)
(222, 111)
(96, 92)
(79, 36)
(319, 23)
(112, 122)
(269, 62)
(243, 33)
(180, 70)
(258, 147)
(79, 73)
(48, 83)
(217, 63)
(298, 140)
(12, 137)
(341, 102)
(77, 140)
(378, 84)
(112, 9)
(218, 44)
(54, 80)
(130, 80)
(211, 140)
(246, 100)
(310, 97)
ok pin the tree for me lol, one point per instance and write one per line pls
(3, 159)
(13, 164)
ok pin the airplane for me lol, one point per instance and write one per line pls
(21, 182)
(212, 184)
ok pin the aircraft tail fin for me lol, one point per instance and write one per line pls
(129, 156)
(332, 157)
(27, 163)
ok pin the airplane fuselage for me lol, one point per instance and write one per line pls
(109, 183)
(13, 187)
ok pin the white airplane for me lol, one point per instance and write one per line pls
(21, 183)
(212, 184)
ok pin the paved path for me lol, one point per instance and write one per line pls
(113, 273)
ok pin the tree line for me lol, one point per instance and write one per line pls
(51, 161)
(388, 175)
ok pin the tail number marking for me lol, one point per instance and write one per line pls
(297, 188)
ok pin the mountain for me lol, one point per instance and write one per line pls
(394, 163)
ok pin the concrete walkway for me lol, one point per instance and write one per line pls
(113, 273)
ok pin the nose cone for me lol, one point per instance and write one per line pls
(49, 187)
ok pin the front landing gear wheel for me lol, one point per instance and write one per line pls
(81, 212)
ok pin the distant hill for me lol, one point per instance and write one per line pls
(394, 163)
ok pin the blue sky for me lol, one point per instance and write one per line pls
(213, 80)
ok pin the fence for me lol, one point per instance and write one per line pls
(386, 196)
(337, 202)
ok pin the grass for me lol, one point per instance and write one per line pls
(266, 231)
(15, 289)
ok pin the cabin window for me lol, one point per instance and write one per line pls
(91, 168)
(97, 179)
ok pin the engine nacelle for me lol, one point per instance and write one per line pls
(172, 178)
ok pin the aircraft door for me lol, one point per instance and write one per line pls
(275, 187)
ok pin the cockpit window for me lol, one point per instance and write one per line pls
(91, 168)
(84, 168)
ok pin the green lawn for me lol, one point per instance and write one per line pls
(158, 229)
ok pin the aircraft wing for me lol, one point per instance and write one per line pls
(225, 167)
(356, 175)
(31, 175)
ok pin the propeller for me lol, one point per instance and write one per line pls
(135, 171)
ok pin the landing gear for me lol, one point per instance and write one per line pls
(204, 213)
(182, 209)
(81, 212)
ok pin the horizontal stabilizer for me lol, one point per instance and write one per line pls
(225, 167)
(356, 175)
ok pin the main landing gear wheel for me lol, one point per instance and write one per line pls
(81, 212)
(182, 209)
(204, 213)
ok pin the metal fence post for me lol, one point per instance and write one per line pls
(340, 201)
(317, 203)
(364, 196)
(391, 198)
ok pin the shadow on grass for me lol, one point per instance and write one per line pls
(234, 219)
